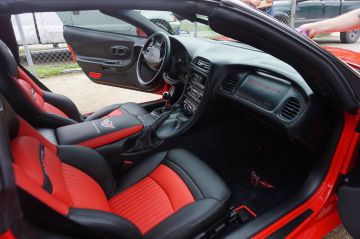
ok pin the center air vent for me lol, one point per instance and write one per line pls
(229, 83)
(202, 63)
(291, 109)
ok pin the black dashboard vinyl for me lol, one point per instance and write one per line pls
(255, 82)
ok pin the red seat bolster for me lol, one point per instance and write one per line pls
(32, 187)
(25, 77)
(53, 110)
(70, 187)
(32, 95)
(25, 129)
(35, 94)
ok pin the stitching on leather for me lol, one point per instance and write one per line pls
(126, 111)
(183, 170)
(167, 195)
(66, 184)
(120, 188)
(175, 167)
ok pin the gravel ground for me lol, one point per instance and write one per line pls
(89, 96)
(338, 233)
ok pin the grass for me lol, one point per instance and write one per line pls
(325, 35)
(44, 71)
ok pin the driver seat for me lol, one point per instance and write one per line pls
(42, 107)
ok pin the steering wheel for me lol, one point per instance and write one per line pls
(153, 59)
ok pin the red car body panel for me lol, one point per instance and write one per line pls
(7, 235)
(350, 57)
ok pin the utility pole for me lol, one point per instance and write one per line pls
(26, 47)
(292, 13)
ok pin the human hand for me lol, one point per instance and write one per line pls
(310, 30)
(255, 3)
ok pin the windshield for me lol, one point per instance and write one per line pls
(304, 16)
(176, 25)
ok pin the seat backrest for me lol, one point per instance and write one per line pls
(28, 99)
(34, 159)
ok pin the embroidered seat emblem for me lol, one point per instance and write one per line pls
(107, 124)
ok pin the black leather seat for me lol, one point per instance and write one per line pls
(170, 194)
(41, 107)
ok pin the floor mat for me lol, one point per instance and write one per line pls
(279, 169)
(236, 148)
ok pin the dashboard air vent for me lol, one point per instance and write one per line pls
(291, 109)
(202, 63)
(229, 83)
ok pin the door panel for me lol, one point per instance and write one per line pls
(107, 58)
(332, 8)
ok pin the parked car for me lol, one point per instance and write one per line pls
(39, 28)
(308, 11)
(252, 139)
(47, 27)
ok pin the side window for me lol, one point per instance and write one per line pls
(47, 55)
(96, 20)
(165, 20)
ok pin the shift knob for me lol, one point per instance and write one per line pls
(166, 95)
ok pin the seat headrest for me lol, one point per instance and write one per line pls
(11, 119)
(8, 61)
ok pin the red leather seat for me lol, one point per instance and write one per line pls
(170, 194)
(41, 107)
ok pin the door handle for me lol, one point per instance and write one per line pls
(115, 66)
(120, 51)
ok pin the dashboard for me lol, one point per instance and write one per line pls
(252, 81)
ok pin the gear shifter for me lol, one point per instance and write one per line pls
(166, 96)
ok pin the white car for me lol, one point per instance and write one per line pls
(47, 27)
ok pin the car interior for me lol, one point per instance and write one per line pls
(239, 139)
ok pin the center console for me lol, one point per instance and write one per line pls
(170, 120)
(194, 90)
